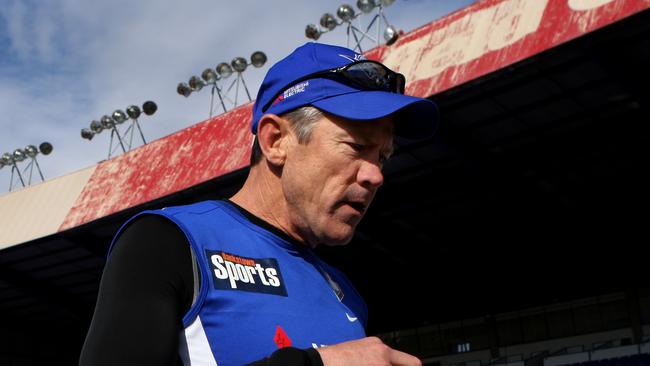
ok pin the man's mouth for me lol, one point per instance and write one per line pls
(357, 206)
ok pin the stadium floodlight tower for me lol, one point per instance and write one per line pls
(209, 76)
(8, 159)
(32, 152)
(133, 112)
(117, 118)
(223, 71)
(19, 155)
(348, 15)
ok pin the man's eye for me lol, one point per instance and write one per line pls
(357, 147)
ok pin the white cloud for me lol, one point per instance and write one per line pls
(66, 62)
(14, 13)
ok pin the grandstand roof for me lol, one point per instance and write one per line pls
(482, 38)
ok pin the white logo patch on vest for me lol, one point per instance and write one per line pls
(233, 272)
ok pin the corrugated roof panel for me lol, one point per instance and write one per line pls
(37, 211)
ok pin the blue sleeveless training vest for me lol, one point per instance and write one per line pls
(258, 291)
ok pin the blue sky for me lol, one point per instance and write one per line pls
(64, 63)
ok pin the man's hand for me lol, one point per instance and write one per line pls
(366, 351)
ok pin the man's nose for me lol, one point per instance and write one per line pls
(370, 175)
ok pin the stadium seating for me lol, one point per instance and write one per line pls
(633, 360)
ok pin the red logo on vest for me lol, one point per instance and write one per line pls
(281, 338)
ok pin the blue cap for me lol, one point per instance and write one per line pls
(417, 117)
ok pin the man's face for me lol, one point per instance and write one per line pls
(329, 182)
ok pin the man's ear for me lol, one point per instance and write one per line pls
(273, 134)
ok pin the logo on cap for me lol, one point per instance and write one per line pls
(298, 88)
(356, 57)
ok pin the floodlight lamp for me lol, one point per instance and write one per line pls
(366, 6)
(183, 89)
(224, 70)
(387, 2)
(390, 35)
(7, 159)
(119, 116)
(19, 155)
(258, 58)
(239, 64)
(345, 12)
(87, 134)
(96, 126)
(149, 108)
(196, 83)
(209, 76)
(107, 122)
(328, 21)
(133, 111)
(45, 148)
(31, 151)
(312, 32)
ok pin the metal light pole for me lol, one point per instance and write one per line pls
(117, 118)
(347, 16)
(221, 72)
(19, 155)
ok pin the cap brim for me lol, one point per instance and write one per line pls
(416, 118)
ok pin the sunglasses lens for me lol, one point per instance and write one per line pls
(369, 74)
(400, 83)
(374, 76)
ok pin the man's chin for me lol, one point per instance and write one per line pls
(339, 238)
(336, 243)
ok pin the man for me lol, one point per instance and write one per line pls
(231, 282)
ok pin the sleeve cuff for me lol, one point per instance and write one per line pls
(291, 356)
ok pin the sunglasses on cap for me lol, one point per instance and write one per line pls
(366, 74)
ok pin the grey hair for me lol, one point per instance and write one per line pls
(301, 120)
